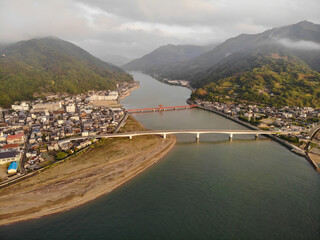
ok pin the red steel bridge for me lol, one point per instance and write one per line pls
(160, 108)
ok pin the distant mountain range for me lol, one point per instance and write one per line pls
(51, 65)
(164, 56)
(281, 66)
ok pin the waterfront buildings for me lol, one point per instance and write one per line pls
(287, 119)
(30, 132)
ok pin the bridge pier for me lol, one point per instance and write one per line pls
(256, 136)
(165, 135)
(198, 137)
(130, 137)
(230, 136)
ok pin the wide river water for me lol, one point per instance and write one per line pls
(215, 189)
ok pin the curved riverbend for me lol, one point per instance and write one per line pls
(244, 189)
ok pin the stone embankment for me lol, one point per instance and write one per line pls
(312, 158)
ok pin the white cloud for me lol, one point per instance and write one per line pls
(134, 27)
(304, 45)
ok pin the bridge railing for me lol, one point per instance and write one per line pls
(160, 108)
(164, 133)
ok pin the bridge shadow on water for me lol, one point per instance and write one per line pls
(190, 141)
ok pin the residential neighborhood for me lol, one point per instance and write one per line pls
(287, 119)
(30, 131)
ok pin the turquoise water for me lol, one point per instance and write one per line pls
(215, 189)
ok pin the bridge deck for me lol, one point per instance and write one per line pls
(160, 108)
(197, 132)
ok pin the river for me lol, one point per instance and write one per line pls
(215, 189)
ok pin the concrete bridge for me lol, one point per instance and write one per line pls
(160, 108)
(164, 133)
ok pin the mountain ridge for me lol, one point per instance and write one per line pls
(166, 55)
(52, 65)
(267, 72)
(295, 48)
(243, 42)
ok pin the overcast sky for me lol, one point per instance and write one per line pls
(132, 28)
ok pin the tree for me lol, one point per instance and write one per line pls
(60, 155)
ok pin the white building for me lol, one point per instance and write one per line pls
(6, 157)
(42, 107)
(24, 106)
(85, 134)
(71, 108)
(112, 96)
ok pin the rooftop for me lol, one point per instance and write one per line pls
(10, 154)
(19, 135)
(13, 165)
(7, 146)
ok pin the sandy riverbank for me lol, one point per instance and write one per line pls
(95, 173)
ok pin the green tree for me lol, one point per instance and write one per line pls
(61, 155)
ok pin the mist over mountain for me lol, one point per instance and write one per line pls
(304, 34)
(264, 68)
(51, 65)
(288, 55)
(166, 55)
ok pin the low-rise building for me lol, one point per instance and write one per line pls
(17, 138)
(71, 108)
(24, 106)
(10, 147)
(6, 157)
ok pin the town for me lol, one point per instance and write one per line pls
(287, 119)
(30, 132)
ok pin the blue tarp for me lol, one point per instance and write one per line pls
(13, 166)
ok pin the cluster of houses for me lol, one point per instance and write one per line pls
(182, 83)
(289, 119)
(34, 128)
(12, 149)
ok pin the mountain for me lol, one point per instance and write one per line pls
(271, 78)
(114, 59)
(164, 56)
(301, 39)
(277, 67)
(51, 65)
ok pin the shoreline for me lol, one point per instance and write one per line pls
(168, 83)
(284, 143)
(99, 171)
(128, 92)
(156, 154)
(313, 158)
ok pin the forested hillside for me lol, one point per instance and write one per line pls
(50, 65)
(275, 80)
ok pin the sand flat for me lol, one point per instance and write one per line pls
(82, 179)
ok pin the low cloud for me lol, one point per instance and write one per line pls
(300, 45)
(132, 28)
